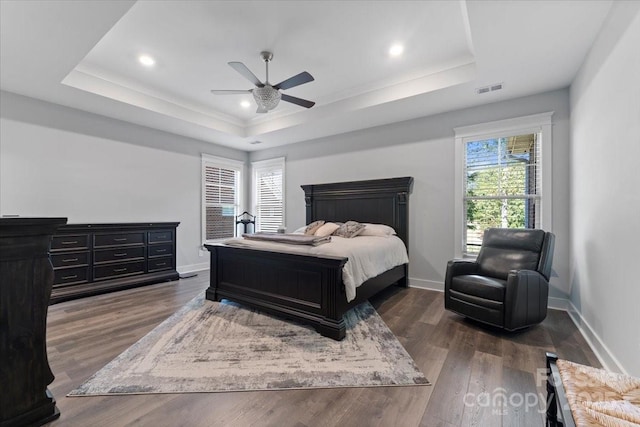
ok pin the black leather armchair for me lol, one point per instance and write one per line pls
(508, 284)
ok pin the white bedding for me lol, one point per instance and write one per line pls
(368, 256)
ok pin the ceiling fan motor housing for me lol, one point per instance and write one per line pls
(267, 96)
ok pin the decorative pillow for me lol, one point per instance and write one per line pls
(311, 228)
(327, 229)
(349, 229)
(380, 230)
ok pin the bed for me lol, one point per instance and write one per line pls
(307, 288)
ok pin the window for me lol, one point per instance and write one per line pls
(502, 178)
(268, 194)
(220, 197)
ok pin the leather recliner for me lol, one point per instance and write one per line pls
(508, 284)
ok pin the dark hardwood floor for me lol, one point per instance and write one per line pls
(473, 369)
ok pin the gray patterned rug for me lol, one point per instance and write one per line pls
(215, 347)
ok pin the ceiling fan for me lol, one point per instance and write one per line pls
(268, 96)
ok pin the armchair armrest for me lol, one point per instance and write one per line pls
(526, 298)
(458, 267)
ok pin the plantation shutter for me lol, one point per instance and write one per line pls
(502, 185)
(269, 198)
(221, 201)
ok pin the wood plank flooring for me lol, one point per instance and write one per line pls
(473, 369)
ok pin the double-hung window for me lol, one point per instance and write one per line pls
(221, 183)
(268, 194)
(502, 178)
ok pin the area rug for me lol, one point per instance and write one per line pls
(219, 347)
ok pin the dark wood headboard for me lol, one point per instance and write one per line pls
(381, 201)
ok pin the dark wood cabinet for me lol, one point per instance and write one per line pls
(90, 259)
(26, 278)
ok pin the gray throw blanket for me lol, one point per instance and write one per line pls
(293, 239)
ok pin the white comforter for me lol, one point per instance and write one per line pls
(368, 256)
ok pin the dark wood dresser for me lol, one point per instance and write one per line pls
(26, 277)
(90, 259)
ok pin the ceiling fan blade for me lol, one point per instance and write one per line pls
(246, 73)
(294, 81)
(299, 101)
(230, 92)
(262, 110)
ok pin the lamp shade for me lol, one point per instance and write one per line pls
(267, 97)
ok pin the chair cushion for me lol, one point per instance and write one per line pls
(480, 286)
(505, 249)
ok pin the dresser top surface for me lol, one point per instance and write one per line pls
(118, 226)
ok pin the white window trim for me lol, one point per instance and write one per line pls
(220, 162)
(536, 123)
(264, 164)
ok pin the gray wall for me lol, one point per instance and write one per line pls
(57, 161)
(605, 199)
(424, 148)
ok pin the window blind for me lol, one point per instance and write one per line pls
(269, 198)
(502, 185)
(221, 201)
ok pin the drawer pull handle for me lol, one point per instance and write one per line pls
(161, 250)
(119, 270)
(121, 254)
(160, 264)
(69, 277)
(70, 260)
(120, 239)
(69, 242)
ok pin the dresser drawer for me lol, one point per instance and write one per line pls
(160, 250)
(69, 242)
(72, 259)
(70, 276)
(160, 236)
(162, 263)
(117, 270)
(121, 239)
(118, 255)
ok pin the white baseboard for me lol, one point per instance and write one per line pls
(602, 352)
(193, 268)
(431, 285)
(558, 303)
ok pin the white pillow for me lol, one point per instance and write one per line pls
(327, 229)
(380, 230)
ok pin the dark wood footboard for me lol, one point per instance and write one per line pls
(308, 289)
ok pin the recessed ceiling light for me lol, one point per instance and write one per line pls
(146, 60)
(245, 104)
(396, 50)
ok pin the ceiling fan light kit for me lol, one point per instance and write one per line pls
(268, 96)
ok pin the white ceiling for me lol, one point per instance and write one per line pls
(83, 54)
